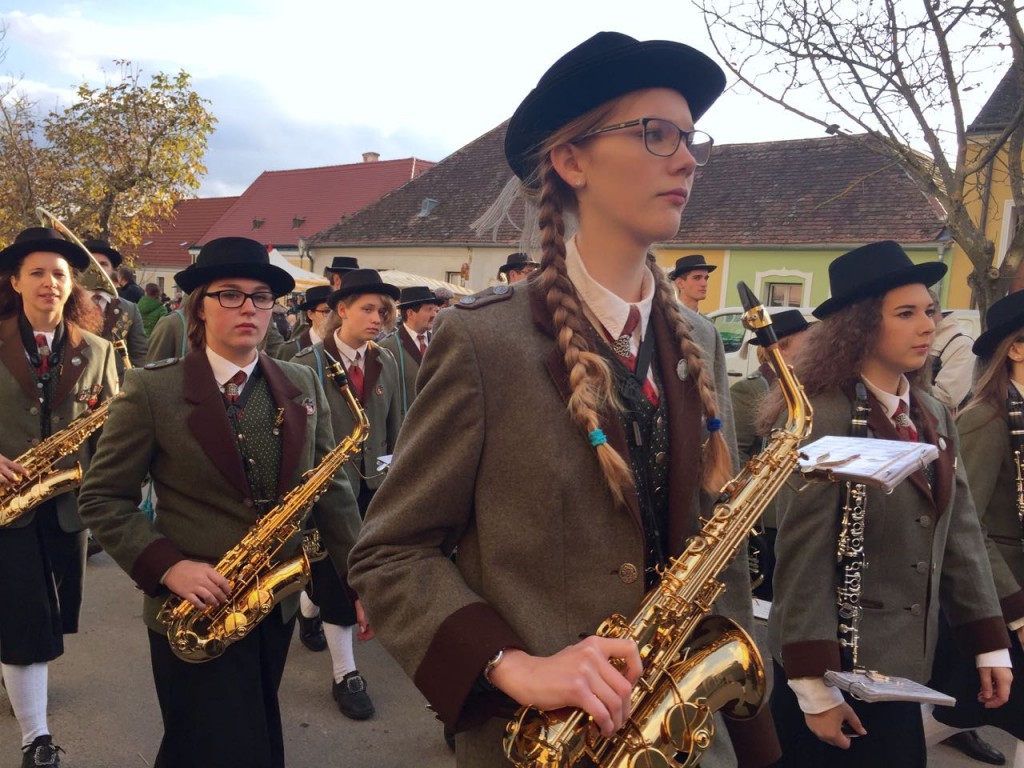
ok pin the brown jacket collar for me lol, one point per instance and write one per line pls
(682, 402)
(208, 420)
(12, 354)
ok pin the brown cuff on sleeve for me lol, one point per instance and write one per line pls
(810, 658)
(152, 564)
(1012, 606)
(982, 636)
(754, 739)
(456, 657)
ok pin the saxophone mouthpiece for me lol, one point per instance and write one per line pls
(754, 316)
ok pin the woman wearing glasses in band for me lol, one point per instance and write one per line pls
(224, 432)
(624, 444)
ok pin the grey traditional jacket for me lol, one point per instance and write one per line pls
(89, 377)
(380, 401)
(409, 360)
(924, 550)
(124, 314)
(171, 422)
(490, 460)
(992, 475)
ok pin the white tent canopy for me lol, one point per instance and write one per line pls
(304, 279)
(408, 279)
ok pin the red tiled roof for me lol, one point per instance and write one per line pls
(168, 247)
(830, 190)
(299, 203)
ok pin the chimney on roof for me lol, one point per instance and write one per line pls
(371, 157)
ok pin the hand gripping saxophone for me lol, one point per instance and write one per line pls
(693, 664)
(258, 581)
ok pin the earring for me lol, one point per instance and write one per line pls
(579, 183)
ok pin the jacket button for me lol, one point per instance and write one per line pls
(628, 573)
(248, 503)
(922, 567)
(925, 521)
(659, 458)
(34, 411)
(915, 610)
(34, 441)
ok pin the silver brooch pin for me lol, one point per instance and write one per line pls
(903, 421)
(76, 360)
(231, 389)
(682, 370)
(621, 346)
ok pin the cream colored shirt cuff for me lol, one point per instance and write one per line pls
(1015, 625)
(814, 696)
(1000, 658)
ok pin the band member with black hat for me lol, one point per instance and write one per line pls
(224, 433)
(363, 306)
(52, 370)
(747, 394)
(518, 266)
(691, 279)
(340, 265)
(922, 541)
(991, 428)
(592, 362)
(318, 320)
(120, 315)
(408, 344)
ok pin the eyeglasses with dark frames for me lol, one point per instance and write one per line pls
(321, 311)
(232, 299)
(663, 137)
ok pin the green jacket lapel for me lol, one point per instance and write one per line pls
(12, 355)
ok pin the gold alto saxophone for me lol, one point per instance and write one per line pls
(693, 664)
(258, 582)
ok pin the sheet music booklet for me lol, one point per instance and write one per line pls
(873, 686)
(880, 463)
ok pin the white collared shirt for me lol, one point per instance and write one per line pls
(415, 337)
(104, 299)
(350, 355)
(314, 337)
(889, 401)
(224, 370)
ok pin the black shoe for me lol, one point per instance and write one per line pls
(975, 747)
(92, 547)
(311, 633)
(42, 752)
(353, 701)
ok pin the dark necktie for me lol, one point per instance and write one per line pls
(422, 339)
(233, 387)
(355, 377)
(622, 348)
(904, 426)
(44, 355)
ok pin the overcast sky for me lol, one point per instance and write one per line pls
(318, 82)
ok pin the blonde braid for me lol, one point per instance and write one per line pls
(590, 377)
(717, 460)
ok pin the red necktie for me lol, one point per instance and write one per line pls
(44, 354)
(355, 377)
(904, 426)
(621, 347)
(422, 339)
(233, 387)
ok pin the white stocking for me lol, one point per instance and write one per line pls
(26, 688)
(307, 607)
(339, 642)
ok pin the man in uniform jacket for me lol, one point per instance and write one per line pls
(418, 306)
(317, 313)
(120, 316)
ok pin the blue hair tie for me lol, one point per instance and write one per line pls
(714, 424)
(597, 438)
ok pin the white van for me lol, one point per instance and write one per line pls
(740, 359)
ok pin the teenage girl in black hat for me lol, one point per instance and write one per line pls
(51, 371)
(563, 470)
(922, 545)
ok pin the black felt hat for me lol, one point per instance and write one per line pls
(234, 257)
(785, 323)
(516, 261)
(418, 294)
(607, 66)
(873, 270)
(360, 281)
(1003, 318)
(102, 246)
(340, 265)
(315, 296)
(36, 239)
(689, 263)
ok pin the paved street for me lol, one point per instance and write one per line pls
(103, 708)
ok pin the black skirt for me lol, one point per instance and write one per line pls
(42, 571)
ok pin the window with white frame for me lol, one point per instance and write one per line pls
(784, 294)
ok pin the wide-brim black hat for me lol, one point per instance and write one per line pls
(1004, 317)
(234, 257)
(102, 246)
(607, 66)
(686, 264)
(516, 261)
(873, 270)
(36, 239)
(785, 323)
(360, 281)
(418, 294)
(315, 296)
(340, 265)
